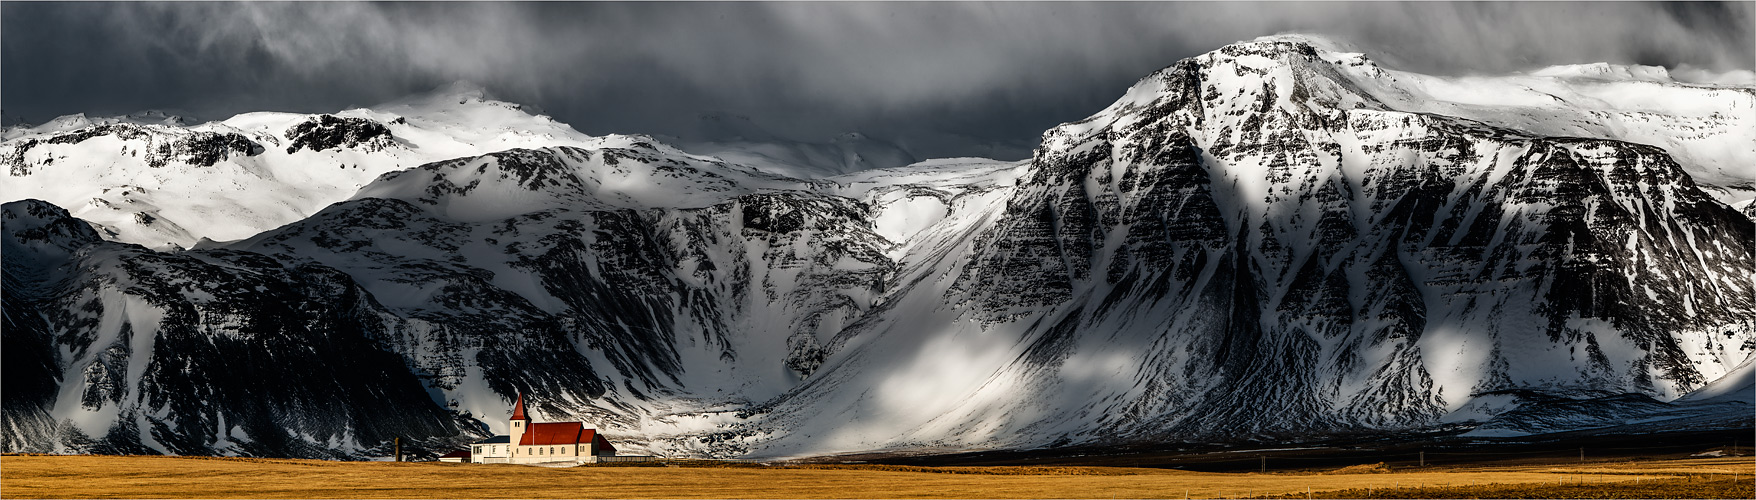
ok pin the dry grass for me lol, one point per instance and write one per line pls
(1700, 487)
(986, 471)
(189, 477)
(1377, 468)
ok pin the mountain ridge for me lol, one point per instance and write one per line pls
(1256, 243)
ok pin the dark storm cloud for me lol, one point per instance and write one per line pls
(943, 77)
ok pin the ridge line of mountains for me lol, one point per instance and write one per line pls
(1278, 240)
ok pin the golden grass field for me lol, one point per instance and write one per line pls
(82, 476)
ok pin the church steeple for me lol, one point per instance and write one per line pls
(518, 408)
(518, 424)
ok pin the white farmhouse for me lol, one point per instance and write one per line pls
(537, 443)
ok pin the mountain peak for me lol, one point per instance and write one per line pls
(1278, 47)
(460, 93)
(1320, 42)
(1607, 71)
(160, 117)
(1296, 73)
(462, 89)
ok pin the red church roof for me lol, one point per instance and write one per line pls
(518, 409)
(556, 433)
(603, 444)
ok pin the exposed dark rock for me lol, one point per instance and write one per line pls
(332, 132)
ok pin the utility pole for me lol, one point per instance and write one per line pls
(1423, 458)
(1582, 454)
(398, 449)
(1264, 464)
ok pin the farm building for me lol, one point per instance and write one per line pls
(547, 442)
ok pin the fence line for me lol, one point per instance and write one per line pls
(641, 458)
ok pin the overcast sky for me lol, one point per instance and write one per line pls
(942, 78)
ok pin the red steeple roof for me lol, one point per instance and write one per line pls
(518, 408)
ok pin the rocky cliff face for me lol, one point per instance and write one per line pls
(1252, 244)
(1248, 245)
(126, 350)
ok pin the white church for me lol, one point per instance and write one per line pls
(544, 443)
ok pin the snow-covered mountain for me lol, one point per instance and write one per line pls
(1275, 240)
(1709, 130)
(159, 181)
(1251, 243)
(736, 139)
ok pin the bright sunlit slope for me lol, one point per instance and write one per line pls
(1710, 129)
(160, 183)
